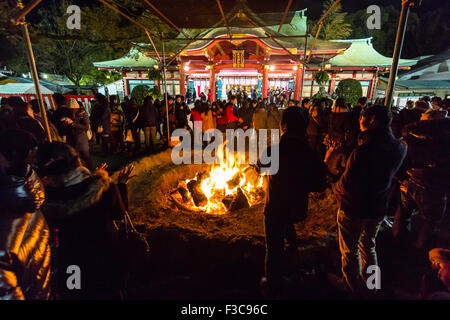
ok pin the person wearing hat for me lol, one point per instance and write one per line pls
(76, 125)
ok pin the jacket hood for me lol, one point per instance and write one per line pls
(69, 200)
(21, 194)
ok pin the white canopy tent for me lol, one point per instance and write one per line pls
(22, 88)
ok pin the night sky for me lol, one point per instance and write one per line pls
(314, 6)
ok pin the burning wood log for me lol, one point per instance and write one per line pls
(182, 190)
(202, 175)
(184, 193)
(240, 201)
(182, 207)
(234, 182)
(251, 175)
(227, 200)
(197, 194)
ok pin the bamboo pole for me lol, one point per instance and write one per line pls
(21, 14)
(165, 17)
(314, 42)
(224, 18)
(400, 37)
(284, 15)
(35, 77)
(165, 93)
(304, 63)
(140, 25)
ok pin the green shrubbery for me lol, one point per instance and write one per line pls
(350, 90)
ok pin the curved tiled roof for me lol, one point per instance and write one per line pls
(361, 53)
(134, 59)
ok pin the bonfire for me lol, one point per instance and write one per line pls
(225, 187)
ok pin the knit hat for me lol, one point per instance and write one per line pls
(72, 104)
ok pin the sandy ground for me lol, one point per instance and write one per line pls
(202, 256)
(218, 256)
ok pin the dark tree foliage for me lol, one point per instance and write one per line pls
(426, 33)
(104, 35)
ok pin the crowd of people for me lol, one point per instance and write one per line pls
(379, 163)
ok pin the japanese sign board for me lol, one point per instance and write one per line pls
(238, 58)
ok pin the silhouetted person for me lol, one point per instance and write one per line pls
(300, 172)
(362, 194)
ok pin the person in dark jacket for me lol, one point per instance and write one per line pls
(305, 105)
(60, 102)
(168, 112)
(76, 126)
(103, 119)
(37, 115)
(273, 122)
(362, 193)
(342, 128)
(133, 124)
(117, 125)
(158, 106)
(317, 127)
(80, 208)
(245, 115)
(24, 234)
(300, 172)
(181, 113)
(23, 118)
(412, 112)
(426, 185)
(149, 120)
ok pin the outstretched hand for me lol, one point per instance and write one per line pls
(125, 174)
(102, 166)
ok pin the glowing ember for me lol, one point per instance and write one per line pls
(227, 187)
